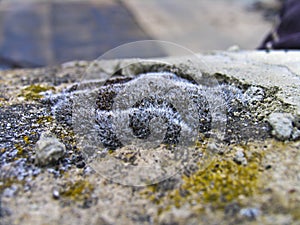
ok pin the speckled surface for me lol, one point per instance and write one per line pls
(250, 177)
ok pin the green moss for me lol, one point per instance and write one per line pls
(33, 92)
(78, 190)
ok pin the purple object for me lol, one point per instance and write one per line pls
(287, 34)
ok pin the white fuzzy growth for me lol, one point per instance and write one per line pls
(172, 100)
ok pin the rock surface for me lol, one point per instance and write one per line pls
(49, 150)
(282, 125)
(243, 176)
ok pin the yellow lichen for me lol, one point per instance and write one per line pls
(295, 212)
(44, 119)
(19, 148)
(2, 100)
(26, 140)
(33, 92)
(217, 184)
(221, 182)
(78, 190)
(8, 182)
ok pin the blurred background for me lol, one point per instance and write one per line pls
(35, 33)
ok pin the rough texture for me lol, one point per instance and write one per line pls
(282, 125)
(248, 177)
(49, 150)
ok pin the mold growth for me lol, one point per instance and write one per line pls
(151, 105)
(239, 104)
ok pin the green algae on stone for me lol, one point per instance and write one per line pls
(33, 92)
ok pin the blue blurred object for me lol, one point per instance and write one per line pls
(287, 34)
(49, 33)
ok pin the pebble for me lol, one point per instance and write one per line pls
(215, 148)
(212, 146)
(282, 124)
(254, 94)
(240, 157)
(234, 48)
(49, 150)
(55, 194)
(74, 64)
(296, 134)
(80, 164)
(251, 213)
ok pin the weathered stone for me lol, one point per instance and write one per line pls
(296, 133)
(254, 94)
(239, 157)
(251, 213)
(213, 185)
(282, 124)
(49, 150)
